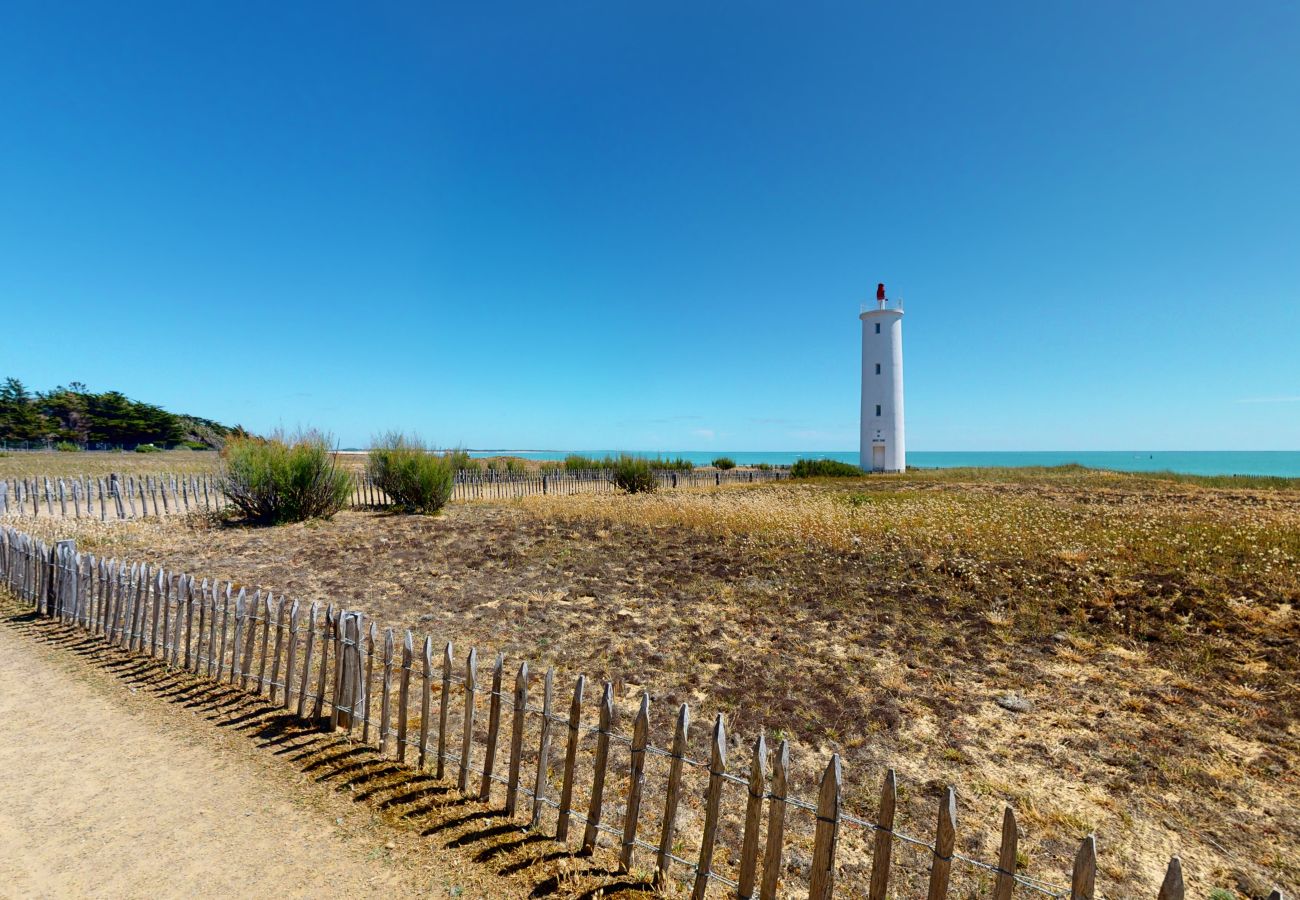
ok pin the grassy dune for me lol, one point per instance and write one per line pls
(1149, 620)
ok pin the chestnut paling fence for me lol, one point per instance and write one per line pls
(128, 496)
(668, 811)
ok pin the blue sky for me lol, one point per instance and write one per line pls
(649, 226)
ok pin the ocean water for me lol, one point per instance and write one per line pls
(1284, 463)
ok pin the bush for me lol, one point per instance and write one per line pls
(407, 470)
(508, 465)
(460, 459)
(823, 468)
(764, 467)
(724, 463)
(550, 466)
(147, 448)
(67, 447)
(576, 462)
(634, 474)
(673, 465)
(283, 479)
(194, 445)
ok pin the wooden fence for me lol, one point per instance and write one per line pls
(674, 811)
(138, 496)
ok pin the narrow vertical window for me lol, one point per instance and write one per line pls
(877, 328)
(877, 368)
(877, 409)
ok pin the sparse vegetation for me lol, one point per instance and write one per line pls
(1151, 622)
(724, 463)
(823, 468)
(67, 447)
(634, 474)
(147, 448)
(408, 470)
(677, 464)
(576, 462)
(284, 478)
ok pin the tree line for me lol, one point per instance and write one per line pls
(75, 414)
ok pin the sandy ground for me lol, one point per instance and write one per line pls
(112, 792)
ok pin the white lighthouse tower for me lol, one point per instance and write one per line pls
(883, 447)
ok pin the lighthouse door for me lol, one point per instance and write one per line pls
(878, 457)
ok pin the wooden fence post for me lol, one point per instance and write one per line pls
(280, 612)
(822, 880)
(775, 824)
(1007, 857)
(1172, 887)
(606, 724)
(426, 699)
(517, 738)
(544, 748)
(266, 635)
(444, 709)
(635, 783)
(371, 634)
(467, 741)
(250, 641)
(235, 660)
(570, 760)
(305, 682)
(385, 713)
(944, 841)
(292, 653)
(1084, 877)
(404, 694)
(318, 703)
(712, 805)
(494, 726)
(671, 799)
(753, 817)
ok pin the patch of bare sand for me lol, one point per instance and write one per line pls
(110, 793)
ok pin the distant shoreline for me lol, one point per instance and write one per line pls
(1276, 463)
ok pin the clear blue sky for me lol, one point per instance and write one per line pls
(649, 226)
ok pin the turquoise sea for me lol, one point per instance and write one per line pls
(1189, 462)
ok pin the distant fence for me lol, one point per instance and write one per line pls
(686, 814)
(137, 496)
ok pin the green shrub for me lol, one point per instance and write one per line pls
(634, 474)
(147, 448)
(283, 478)
(724, 463)
(823, 468)
(460, 459)
(764, 467)
(576, 462)
(508, 465)
(413, 475)
(672, 465)
(67, 447)
(193, 445)
(550, 466)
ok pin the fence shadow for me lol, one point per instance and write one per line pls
(403, 797)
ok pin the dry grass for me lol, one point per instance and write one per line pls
(26, 463)
(1152, 623)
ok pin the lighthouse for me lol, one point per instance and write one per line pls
(883, 447)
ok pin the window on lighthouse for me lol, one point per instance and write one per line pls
(877, 368)
(877, 328)
(877, 409)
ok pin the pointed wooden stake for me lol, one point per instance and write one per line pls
(945, 840)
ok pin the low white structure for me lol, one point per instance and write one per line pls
(884, 446)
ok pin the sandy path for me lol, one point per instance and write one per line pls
(103, 796)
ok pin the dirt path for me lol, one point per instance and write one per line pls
(109, 792)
